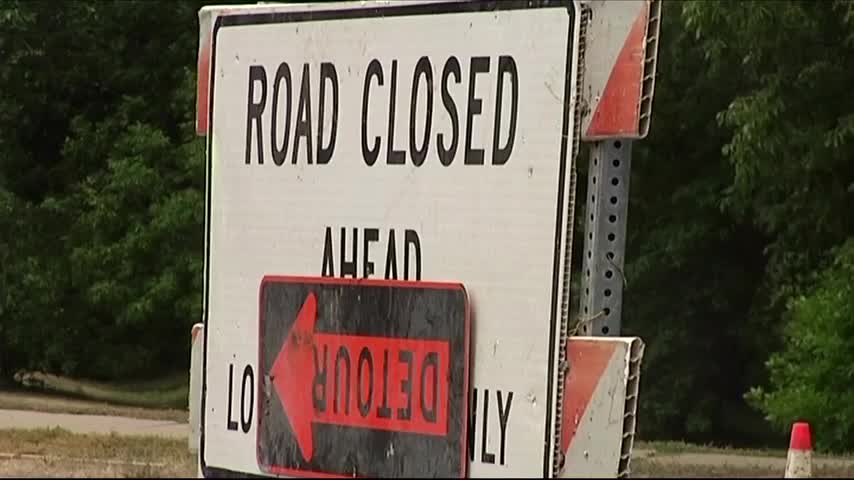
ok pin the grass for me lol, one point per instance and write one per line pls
(160, 399)
(654, 468)
(53, 403)
(647, 468)
(676, 447)
(59, 453)
(167, 392)
(677, 459)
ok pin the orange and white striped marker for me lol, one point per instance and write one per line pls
(799, 459)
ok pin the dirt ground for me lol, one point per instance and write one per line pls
(61, 467)
(678, 466)
(100, 457)
(58, 453)
(651, 464)
(142, 449)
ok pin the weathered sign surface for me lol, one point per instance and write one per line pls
(403, 141)
(366, 377)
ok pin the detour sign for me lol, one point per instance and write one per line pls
(364, 377)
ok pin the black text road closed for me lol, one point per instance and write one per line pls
(365, 378)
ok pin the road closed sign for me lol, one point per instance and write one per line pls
(400, 143)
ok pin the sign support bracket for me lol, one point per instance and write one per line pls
(603, 278)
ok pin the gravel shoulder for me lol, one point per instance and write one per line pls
(651, 464)
(98, 424)
(59, 453)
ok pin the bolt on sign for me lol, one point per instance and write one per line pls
(414, 143)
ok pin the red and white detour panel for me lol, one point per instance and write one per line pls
(363, 378)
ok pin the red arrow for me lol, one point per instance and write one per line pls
(295, 359)
(384, 383)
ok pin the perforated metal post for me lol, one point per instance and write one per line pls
(605, 237)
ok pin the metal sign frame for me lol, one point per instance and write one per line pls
(621, 45)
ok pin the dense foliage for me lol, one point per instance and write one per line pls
(741, 232)
(741, 223)
(101, 179)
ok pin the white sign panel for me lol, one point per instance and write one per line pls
(407, 141)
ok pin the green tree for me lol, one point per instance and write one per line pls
(791, 141)
(691, 270)
(791, 128)
(12, 240)
(811, 377)
(103, 181)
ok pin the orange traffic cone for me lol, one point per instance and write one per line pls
(799, 459)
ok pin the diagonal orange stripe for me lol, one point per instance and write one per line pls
(587, 362)
(202, 87)
(618, 110)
